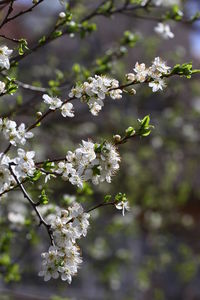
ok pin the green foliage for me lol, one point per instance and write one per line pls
(130, 131)
(11, 86)
(107, 198)
(59, 298)
(22, 46)
(9, 271)
(42, 40)
(144, 126)
(121, 197)
(87, 27)
(174, 14)
(36, 175)
(183, 70)
(129, 38)
(56, 34)
(43, 197)
(106, 8)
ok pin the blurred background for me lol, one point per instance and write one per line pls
(153, 253)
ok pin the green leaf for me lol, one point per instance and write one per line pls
(56, 33)
(144, 126)
(130, 131)
(42, 40)
(22, 46)
(43, 197)
(107, 198)
(183, 70)
(36, 175)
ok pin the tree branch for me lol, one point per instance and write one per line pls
(32, 203)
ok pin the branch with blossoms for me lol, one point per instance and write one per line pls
(91, 161)
(65, 24)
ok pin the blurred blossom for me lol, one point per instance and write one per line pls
(196, 104)
(187, 220)
(153, 219)
(190, 133)
(99, 250)
(157, 142)
(115, 283)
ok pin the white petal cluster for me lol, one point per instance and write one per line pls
(164, 31)
(123, 205)
(55, 103)
(6, 179)
(2, 87)
(22, 165)
(16, 219)
(94, 91)
(95, 162)
(63, 258)
(25, 165)
(166, 3)
(16, 135)
(5, 54)
(154, 74)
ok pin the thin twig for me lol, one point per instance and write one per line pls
(101, 205)
(10, 9)
(23, 12)
(32, 203)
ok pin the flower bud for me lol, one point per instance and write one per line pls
(117, 137)
(132, 91)
(130, 77)
(38, 114)
(62, 15)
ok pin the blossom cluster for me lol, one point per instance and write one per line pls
(154, 74)
(63, 257)
(23, 165)
(5, 54)
(15, 135)
(95, 162)
(55, 103)
(94, 91)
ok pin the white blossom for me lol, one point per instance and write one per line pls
(95, 90)
(157, 85)
(166, 2)
(53, 102)
(16, 218)
(23, 134)
(123, 205)
(164, 31)
(25, 165)
(13, 134)
(5, 54)
(62, 15)
(6, 178)
(158, 68)
(141, 72)
(90, 162)
(63, 258)
(2, 87)
(162, 2)
(67, 110)
(154, 74)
